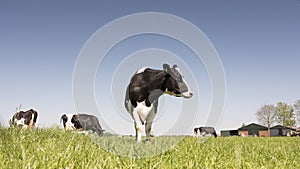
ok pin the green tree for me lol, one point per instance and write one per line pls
(285, 114)
(297, 110)
(266, 115)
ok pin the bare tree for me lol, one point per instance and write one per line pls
(285, 114)
(266, 115)
(297, 110)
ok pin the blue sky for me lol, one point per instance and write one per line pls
(257, 42)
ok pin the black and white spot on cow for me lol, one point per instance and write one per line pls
(204, 131)
(24, 119)
(144, 90)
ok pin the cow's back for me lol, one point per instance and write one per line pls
(90, 122)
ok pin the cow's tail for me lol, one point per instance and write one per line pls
(98, 128)
(100, 132)
(35, 116)
(127, 100)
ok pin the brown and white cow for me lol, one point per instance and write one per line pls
(24, 119)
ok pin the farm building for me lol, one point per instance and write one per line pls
(226, 133)
(279, 130)
(253, 129)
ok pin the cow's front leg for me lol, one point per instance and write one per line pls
(138, 126)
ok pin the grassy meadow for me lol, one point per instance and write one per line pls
(56, 148)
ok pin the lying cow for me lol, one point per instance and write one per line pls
(204, 131)
(144, 90)
(81, 121)
(24, 119)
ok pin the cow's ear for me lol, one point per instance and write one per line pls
(174, 66)
(166, 67)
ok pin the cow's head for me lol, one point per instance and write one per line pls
(24, 119)
(66, 119)
(70, 121)
(75, 121)
(175, 84)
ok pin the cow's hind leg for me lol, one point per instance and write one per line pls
(30, 124)
(149, 121)
(148, 130)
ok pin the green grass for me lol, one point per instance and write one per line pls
(56, 148)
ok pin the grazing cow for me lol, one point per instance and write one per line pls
(144, 90)
(81, 121)
(24, 119)
(203, 131)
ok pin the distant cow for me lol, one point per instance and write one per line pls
(204, 131)
(81, 121)
(144, 90)
(24, 119)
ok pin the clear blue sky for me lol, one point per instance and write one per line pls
(257, 41)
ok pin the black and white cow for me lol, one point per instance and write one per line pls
(204, 131)
(82, 121)
(144, 90)
(24, 119)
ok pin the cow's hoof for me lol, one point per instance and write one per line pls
(147, 141)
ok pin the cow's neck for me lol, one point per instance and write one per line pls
(158, 86)
(166, 82)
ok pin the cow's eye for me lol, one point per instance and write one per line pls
(176, 92)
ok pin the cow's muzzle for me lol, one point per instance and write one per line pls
(187, 94)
